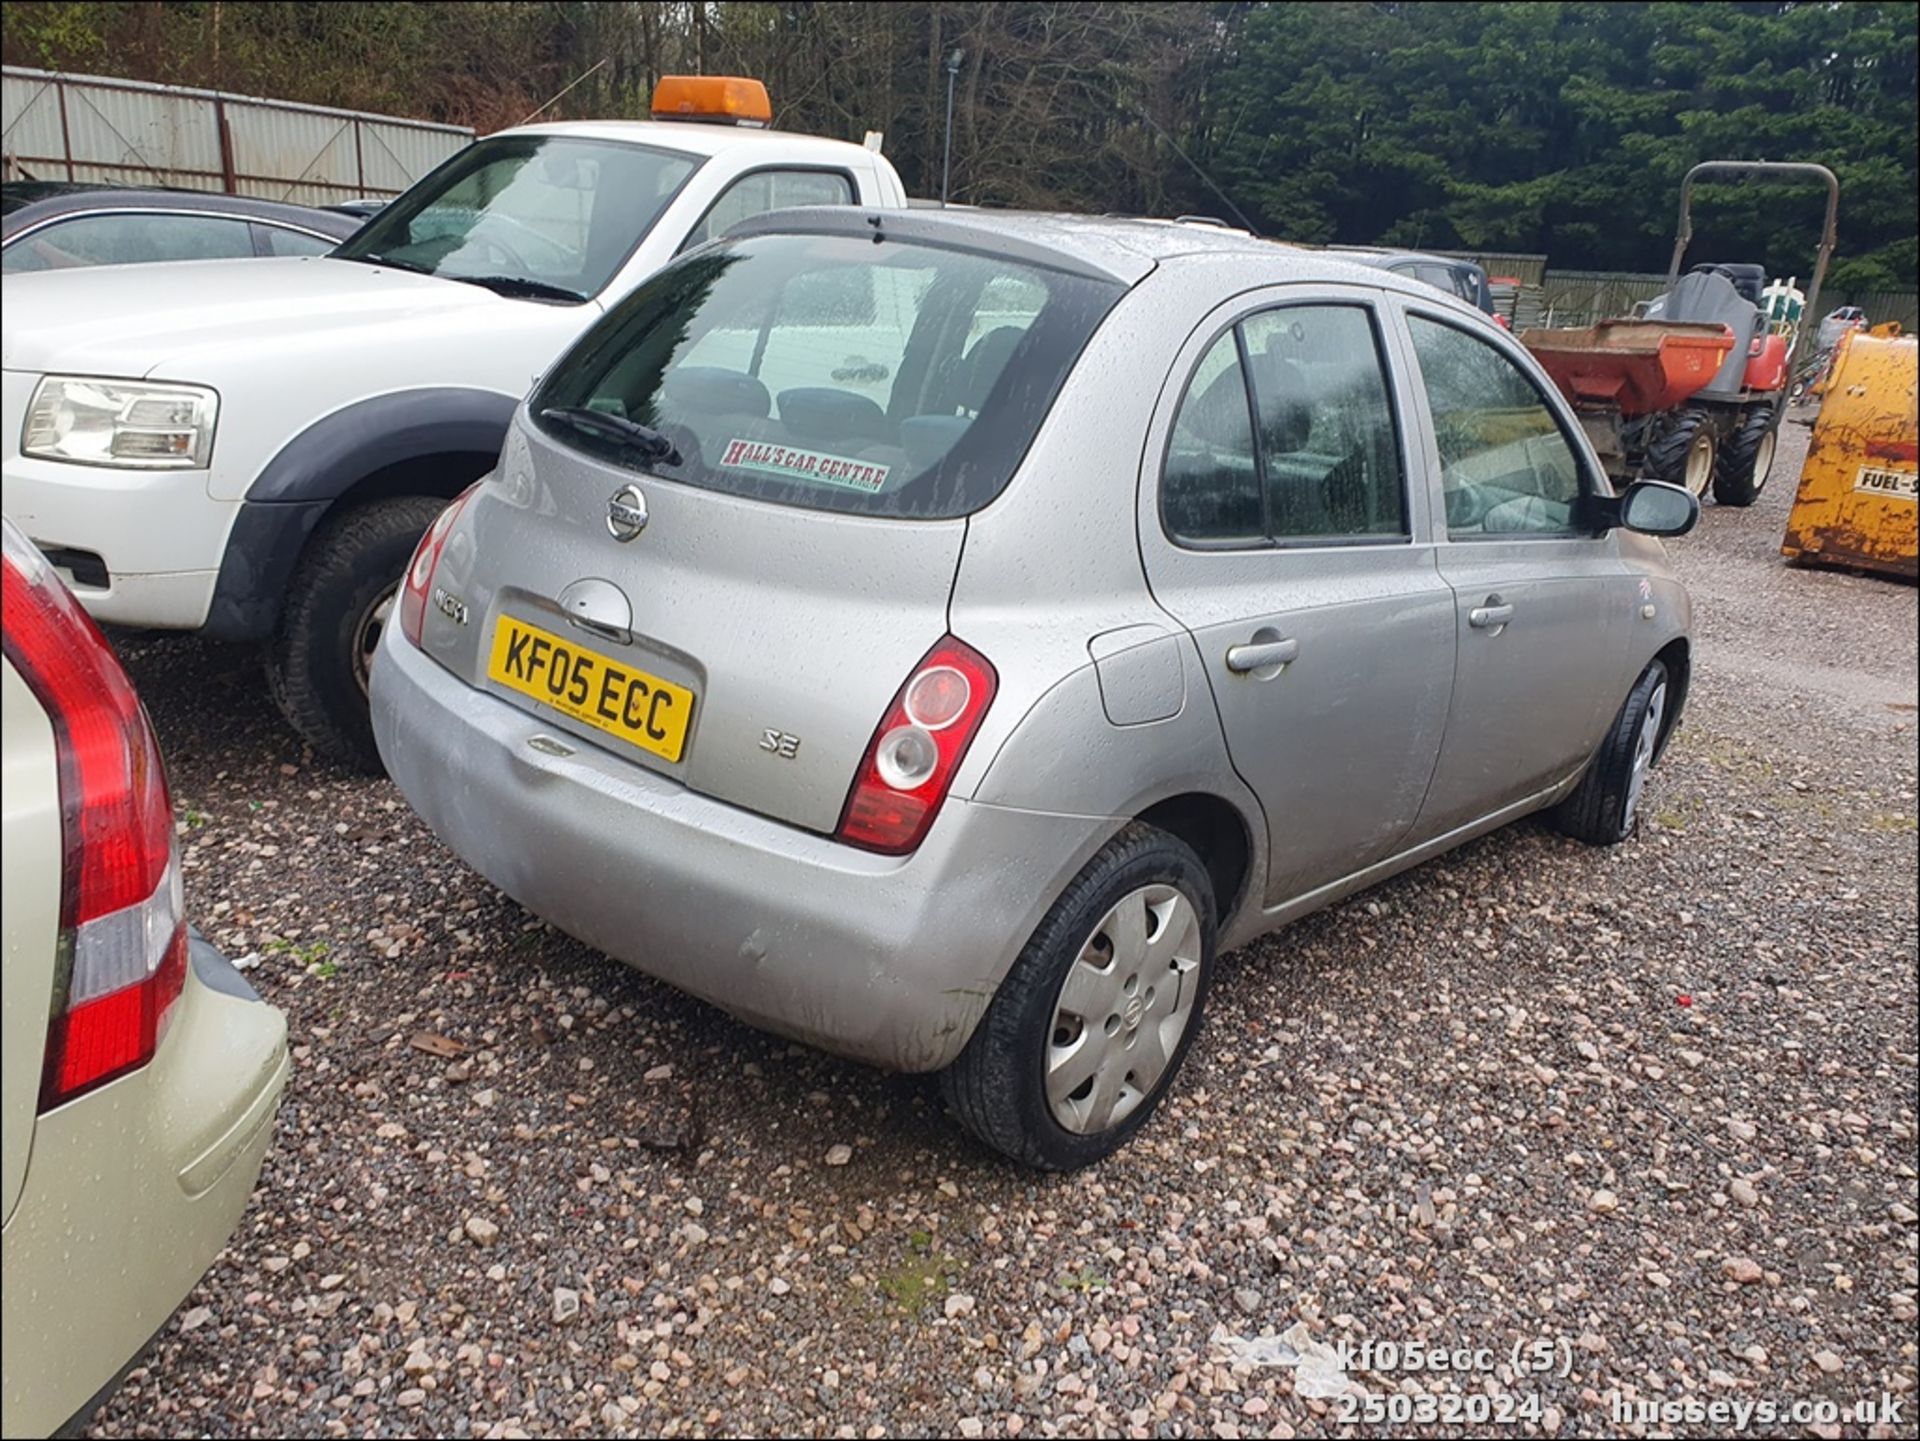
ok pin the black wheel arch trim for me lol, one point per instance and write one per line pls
(321, 464)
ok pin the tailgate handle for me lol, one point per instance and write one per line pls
(600, 607)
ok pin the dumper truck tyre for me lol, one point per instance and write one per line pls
(1086, 1034)
(1604, 809)
(342, 595)
(1740, 472)
(1685, 452)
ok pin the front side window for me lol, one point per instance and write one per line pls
(1505, 467)
(765, 191)
(1287, 434)
(537, 216)
(828, 372)
(125, 238)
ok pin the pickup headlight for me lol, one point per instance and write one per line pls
(126, 423)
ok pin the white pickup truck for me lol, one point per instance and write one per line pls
(251, 448)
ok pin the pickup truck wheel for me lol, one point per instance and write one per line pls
(339, 601)
(1604, 809)
(1090, 1027)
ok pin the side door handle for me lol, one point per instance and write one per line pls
(1492, 616)
(1262, 658)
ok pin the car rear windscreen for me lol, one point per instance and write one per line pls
(832, 372)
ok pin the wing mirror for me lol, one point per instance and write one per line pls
(1651, 507)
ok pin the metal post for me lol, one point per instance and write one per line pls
(954, 57)
(66, 133)
(228, 176)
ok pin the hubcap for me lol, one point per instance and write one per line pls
(1643, 748)
(1700, 463)
(1125, 1004)
(366, 635)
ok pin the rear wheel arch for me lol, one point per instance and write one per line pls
(1218, 833)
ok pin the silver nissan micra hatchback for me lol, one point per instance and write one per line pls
(938, 636)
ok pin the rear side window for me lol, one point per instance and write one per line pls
(124, 237)
(765, 191)
(1210, 486)
(1287, 433)
(832, 372)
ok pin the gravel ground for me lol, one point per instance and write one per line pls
(1656, 1105)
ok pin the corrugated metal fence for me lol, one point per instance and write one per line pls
(83, 127)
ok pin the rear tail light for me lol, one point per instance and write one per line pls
(123, 930)
(418, 584)
(919, 745)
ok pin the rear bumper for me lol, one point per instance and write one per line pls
(889, 960)
(131, 1194)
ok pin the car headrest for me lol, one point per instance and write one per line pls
(986, 360)
(713, 390)
(1280, 388)
(821, 413)
(1217, 416)
(927, 438)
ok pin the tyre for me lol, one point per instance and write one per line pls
(339, 600)
(1740, 474)
(1094, 1020)
(1604, 808)
(1684, 453)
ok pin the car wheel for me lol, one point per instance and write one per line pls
(1091, 1025)
(340, 599)
(1684, 454)
(1604, 808)
(1740, 473)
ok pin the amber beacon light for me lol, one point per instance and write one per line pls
(718, 99)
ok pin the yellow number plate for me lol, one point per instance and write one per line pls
(608, 695)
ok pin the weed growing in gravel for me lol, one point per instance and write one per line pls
(312, 955)
(1085, 1279)
(922, 1277)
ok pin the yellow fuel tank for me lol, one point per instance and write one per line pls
(1856, 505)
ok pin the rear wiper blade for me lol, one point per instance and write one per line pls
(644, 439)
(520, 285)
